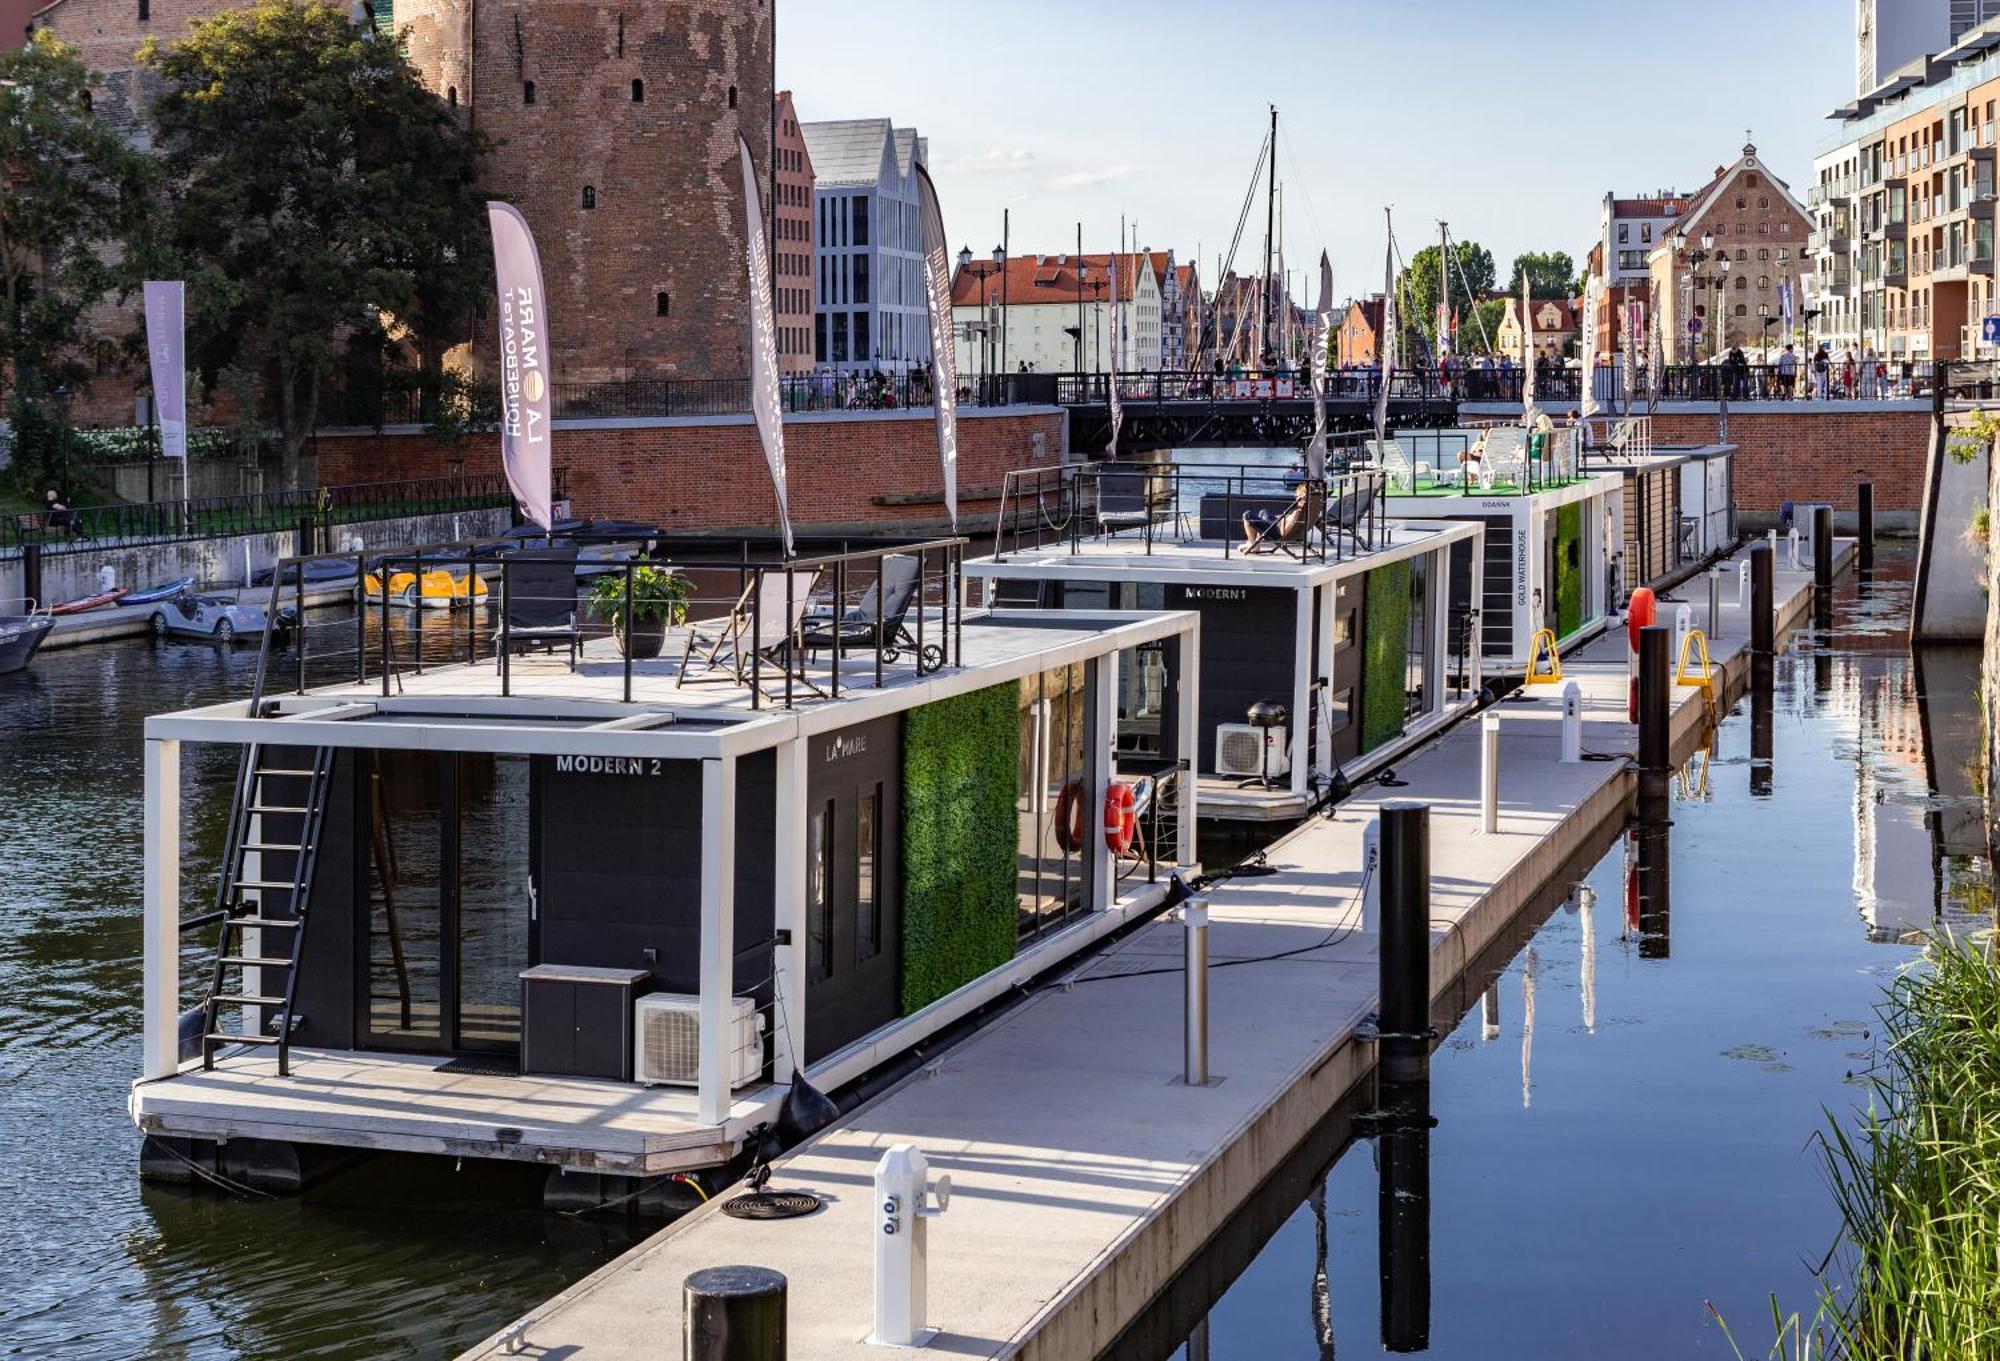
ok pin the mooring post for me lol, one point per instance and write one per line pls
(1866, 528)
(1405, 943)
(1572, 738)
(302, 539)
(1655, 689)
(733, 1313)
(1743, 585)
(1715, 603)
(1489, 773)
(1792, 558)
(1194, 1015)
(31, 574)
(1763, 618)
(1683, 626)
(1822, 546)
(903, 1192)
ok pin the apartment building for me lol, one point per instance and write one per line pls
(1904, 208)
(1721, 277)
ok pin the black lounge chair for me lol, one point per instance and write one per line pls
(1347, 513)
(1121, 502)
(539, 605)
(877, 622)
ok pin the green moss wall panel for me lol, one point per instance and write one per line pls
(1385, 632)
(1569, 568)
(960, 841)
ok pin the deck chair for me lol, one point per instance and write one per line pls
(877, 622)
(1272, 531)
(1121, 502)
(758, 624)
(1391, 459)
(1347, 514)
(540, 609)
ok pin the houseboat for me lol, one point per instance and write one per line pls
(1325, 646)
(1553, 532)
(1678, 503)
(545, 900)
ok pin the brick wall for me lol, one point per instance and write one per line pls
(1812, 451)
(708, 473)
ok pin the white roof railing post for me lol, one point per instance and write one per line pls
(718, 937)
(790, 889)
(162, 978)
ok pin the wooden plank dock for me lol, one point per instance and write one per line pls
(1085, 1174)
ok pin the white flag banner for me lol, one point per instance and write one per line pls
(766, 403)
(1322, 327)
(1656, 359)
(523, 333)
(166, 348)
(1111, 378)
(1587, 405)
(1389, 327)
(1527, 354)
(1635, 329)
(944, 358)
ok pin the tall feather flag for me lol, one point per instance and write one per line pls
(944, 358)
(1635, 327)
(524, 361)
(1587, 405)
(1389, 329)
(1656, 354)
(1527, 353)
(766, 404)
(1111, 378)
(1322, 326)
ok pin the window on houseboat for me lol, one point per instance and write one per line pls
(819, 905)
(1416, 683)
(867, 894)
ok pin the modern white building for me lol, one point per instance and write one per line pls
(1892, 33)
(869, 310)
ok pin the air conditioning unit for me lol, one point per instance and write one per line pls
(1239, 750)
(666, 1040)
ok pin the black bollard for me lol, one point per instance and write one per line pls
(1866, 528)
(31, 574)
(1763, 618)
(1822, 547)
(302, 541)
(1403, 1199)
(1655, 694)
(733, 1313)
(1405, 954)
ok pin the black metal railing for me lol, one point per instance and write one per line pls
(1243, 507)
(214, 517)
(783, 629)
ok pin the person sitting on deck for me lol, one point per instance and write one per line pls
(1264, 526)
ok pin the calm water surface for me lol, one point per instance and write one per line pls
(396, 1258)
(1632, 1139)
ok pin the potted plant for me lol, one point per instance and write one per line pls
(659, 598)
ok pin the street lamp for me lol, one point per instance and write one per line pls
(1000, 263)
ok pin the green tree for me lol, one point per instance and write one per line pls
(1479, 326)
(321, 201)
(1551, 274)
(1473, 273)
(73, 194)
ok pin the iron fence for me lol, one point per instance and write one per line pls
(87, 528)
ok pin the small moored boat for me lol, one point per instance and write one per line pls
(153, 595)
(440, 590)
(20, 636)
(90, 602)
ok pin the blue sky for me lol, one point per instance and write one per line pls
(1509, 118)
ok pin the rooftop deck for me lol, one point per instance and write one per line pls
(1193, 560)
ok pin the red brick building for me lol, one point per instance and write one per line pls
(792, 238)
(615, 133)
(1359, 337)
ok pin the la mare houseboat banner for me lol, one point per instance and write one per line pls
(766, 403)
(166, 348)
(944, 359)
(524, 361)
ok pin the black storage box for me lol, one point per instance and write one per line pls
(576, 1021)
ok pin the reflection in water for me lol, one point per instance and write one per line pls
(1322, 1293)
(394, 1258)
(1710, 1069)
(1403, 1162)
(1651, 867)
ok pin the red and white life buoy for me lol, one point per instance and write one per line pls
(1119, 818)
(1640, 612)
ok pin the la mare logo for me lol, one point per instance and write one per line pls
(846, 745)
(523, 383)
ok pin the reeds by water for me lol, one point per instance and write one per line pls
(1916, 1273)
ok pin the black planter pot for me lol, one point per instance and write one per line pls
(643, 641)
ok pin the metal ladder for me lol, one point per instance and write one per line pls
(265, 792)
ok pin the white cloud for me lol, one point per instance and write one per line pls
(1089, 179)
(998, 161)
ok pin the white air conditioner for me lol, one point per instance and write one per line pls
(666, 1040)
(1239, 750)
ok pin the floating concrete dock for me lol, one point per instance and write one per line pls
(1085, 1174)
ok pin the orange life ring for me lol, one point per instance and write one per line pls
(1641, 611)
(1069, 817)
(1118, 818)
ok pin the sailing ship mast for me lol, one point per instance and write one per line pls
(1270, 228)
